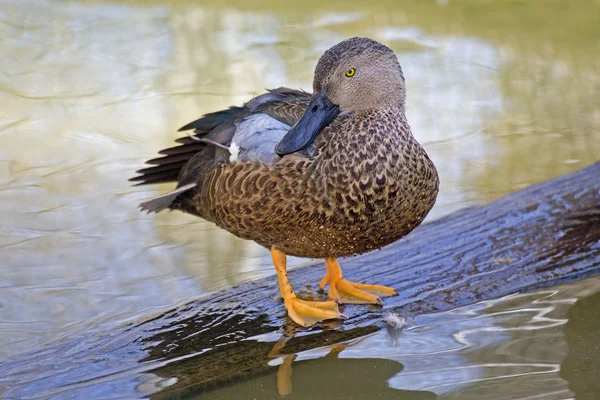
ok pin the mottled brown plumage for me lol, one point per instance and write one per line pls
(363, 183)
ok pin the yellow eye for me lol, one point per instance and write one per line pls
(350, 73)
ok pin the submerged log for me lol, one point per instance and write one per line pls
(541, 236)
(544, 235)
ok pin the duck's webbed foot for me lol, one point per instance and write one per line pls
(307, 313)
(303, 312)
(344, 291)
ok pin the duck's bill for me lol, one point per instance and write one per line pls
(320, 112)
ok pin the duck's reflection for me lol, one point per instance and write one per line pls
(284, 372)
(343, 378)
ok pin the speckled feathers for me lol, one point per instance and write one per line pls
(365, 183)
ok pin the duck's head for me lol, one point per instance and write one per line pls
(354, 75)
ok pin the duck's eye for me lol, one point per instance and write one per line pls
(350, 73)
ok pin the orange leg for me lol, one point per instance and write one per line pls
(284, 372)
(302, 312)
(345, 291)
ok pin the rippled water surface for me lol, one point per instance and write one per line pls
(501, 94)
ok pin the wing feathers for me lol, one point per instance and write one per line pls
(282, 104)
(162, 202)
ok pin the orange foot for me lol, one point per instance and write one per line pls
(303, 312)
(345, 291)
(306, 313)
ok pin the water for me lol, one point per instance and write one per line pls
(501, 97)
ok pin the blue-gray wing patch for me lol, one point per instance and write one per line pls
(255, 139)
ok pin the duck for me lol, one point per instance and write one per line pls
(328, 174)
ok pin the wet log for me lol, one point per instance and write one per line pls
(544, 235)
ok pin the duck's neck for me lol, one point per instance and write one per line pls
(372, 166)
(370, 137)
(369, 145)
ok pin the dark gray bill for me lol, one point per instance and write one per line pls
(320, 112)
